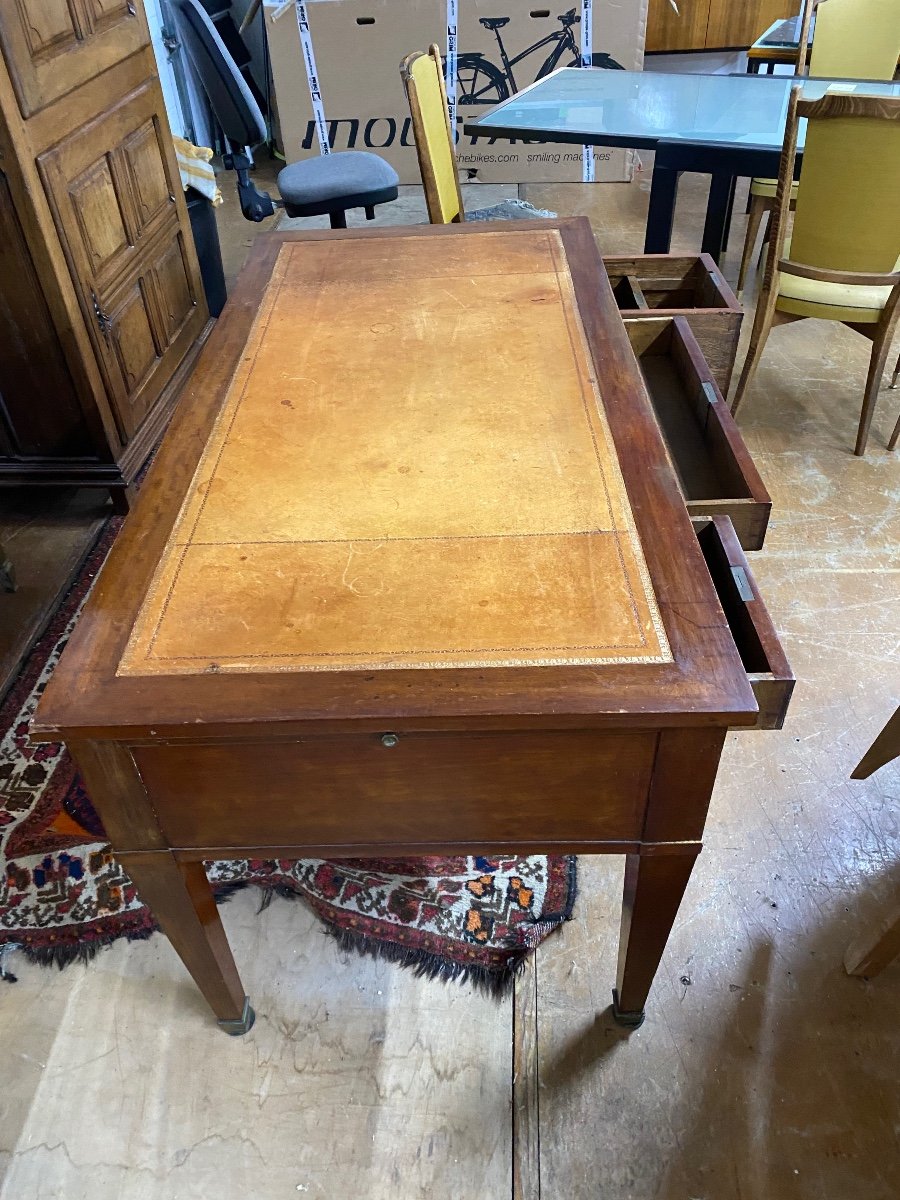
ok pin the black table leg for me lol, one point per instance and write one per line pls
(661, 215)
(730, 213)
(718, 214)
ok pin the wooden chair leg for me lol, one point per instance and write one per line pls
(883, 750)
(867, 956)
(762, 325)
(881, 344)
(896, 434)
(759, 206)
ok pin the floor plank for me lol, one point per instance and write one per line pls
(357, 1080)
(526, 1131)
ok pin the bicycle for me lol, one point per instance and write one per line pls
(480, 81)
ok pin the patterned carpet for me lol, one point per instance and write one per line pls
(63, 896)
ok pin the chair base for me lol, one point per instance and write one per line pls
(338, 205)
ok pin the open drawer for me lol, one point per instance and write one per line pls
(714, 469)
(751, 626)
(692, 286)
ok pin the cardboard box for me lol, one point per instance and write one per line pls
(358, 48)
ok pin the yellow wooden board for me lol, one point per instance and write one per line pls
(412, 468)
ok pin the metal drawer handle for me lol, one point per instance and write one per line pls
(389, 740)
(742, 583)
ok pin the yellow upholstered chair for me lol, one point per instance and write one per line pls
(854, 39)
(842, 259)
(423, 78)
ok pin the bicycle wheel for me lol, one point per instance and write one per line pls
(478, 81)
(607, 61)
(598, 59)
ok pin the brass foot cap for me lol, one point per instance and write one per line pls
(631, 1020)
(243, 1024)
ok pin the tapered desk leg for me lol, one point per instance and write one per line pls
(661, 214)
(654, 886)
(181, 899)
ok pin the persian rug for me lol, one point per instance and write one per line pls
(63, 896)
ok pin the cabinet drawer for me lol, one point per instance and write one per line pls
(713, 466)
(491, 788)
(751, 626)
(682, 285)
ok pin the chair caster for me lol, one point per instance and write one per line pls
(243, 1024)
(630, 1020)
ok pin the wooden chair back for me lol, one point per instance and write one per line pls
(854, 39)
(423, 79)
(845, 225)
(803, 48)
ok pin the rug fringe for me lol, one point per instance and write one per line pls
(496, 983)
(64, 954)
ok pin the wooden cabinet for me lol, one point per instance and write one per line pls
(712, 24)
(741, 24)
(52, 47)
(97, 237)
(671, 29)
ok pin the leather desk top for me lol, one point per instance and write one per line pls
(414, 482)
(412, 468)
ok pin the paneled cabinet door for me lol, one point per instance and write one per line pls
(54, 46)
(112, 186)
(148, 325)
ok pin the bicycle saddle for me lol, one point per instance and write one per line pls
(569, 18)
(493, 22)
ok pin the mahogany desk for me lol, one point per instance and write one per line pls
(411, 574)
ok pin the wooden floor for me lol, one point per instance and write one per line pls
(763, 1071)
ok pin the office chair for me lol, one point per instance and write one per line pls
(331, 183)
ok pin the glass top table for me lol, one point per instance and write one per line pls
(641, 108)
(777, 46)
(784, 34)
(726, 126)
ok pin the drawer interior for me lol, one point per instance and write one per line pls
(667, 282)
(714, 469)
(705, 469)
(757, 642)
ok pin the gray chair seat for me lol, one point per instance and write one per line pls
(353, 178)
(330, 184)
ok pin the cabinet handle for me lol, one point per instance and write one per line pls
(389, 740)
(104, 321)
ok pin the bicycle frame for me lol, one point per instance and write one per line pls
(565, 40)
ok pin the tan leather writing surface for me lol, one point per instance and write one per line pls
(412, 468)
